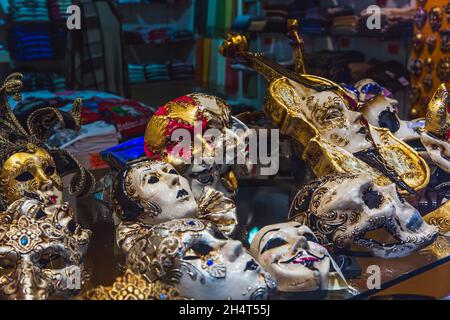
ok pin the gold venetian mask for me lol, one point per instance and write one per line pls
(31, 171)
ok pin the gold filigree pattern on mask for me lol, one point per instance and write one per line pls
(440, 218)
(132, 286)
(39, 168)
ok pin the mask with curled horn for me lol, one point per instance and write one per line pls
(27, 164)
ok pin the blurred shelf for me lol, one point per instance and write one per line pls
(163, 45)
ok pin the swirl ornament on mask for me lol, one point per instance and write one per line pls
(132, 286)
(152, 192)
(41, 251)
(347, 210)
(183, 113)
(195, 258)
(290, 252)
(323, 117)
(26, 163)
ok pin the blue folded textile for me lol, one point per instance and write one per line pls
(118, 156)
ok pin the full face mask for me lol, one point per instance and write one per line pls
(151, 192)
(30, 172)
(41, 251)
(290, 252)
(343, 210)
(27, 164)
(194, 257)
(210, 114)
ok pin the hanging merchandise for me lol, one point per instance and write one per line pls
(431, 67)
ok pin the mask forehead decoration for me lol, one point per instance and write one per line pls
(344, 210)
(323, 117)
(132, 286)
(194, 257)
(42, 249)
(291, 253)
(26, 163)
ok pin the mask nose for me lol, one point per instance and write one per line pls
(233, 249)
(27, 288)
(300, 244)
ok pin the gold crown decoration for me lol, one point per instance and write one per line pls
(29, 131)
(132, 286)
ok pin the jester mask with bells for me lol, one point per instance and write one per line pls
(290, 252)
(41, 251)
(344, 210)
(207, 112)
(323, 118)
(26, 163)
(196, 258)
(152, 191)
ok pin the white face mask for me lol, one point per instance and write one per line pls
(194, 257)
(152, 192)
(345, 209)
(290, 252)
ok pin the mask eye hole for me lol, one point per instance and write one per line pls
(153, 180)
(52, 261)
(205, 179)
(6, 266)
(273, 243)
(173, 171)
(373, 199)
(332, 113)
(50, 170)
(309, 237)
(24, 177)
(197, 251)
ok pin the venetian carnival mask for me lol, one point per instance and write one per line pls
(41, 251)
(206, 114)
(27, 164)
(290, 252)
(194, 257)
(343, 210)
(434, 135)
(380, 110)
(30, 172)
(152, 192)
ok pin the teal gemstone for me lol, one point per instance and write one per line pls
(24, 241)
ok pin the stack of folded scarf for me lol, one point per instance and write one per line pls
(29, 11)
(136, 73)
(182, 70)
(44, 81)
(58, 9)
(30, 42)
(156, 72)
